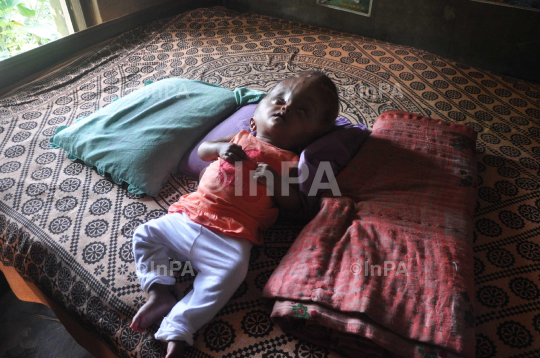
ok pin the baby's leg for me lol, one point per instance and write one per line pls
(175, 349)
(222, 262)
(153, 244)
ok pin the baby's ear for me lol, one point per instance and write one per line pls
(252, 125)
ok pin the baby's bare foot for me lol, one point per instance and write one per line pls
(159, 304)
(175, 349)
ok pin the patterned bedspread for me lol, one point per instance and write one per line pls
(67, 230)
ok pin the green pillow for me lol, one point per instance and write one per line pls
(140, 138)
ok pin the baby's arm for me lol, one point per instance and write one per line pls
(290, 206)
(222, 148)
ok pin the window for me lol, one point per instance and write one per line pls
(26, 24)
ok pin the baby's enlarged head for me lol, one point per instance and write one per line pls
(297, 111)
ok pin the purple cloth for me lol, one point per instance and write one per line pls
(337, 147)
(192, 164)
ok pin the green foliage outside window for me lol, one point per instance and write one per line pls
(24, 25)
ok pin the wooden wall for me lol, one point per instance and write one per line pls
(502, 39)
(498, 38)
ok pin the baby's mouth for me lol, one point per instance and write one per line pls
(280, 115)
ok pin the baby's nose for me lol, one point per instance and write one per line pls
(285, 108)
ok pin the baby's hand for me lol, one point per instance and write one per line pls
(231, 152)
(263, 171)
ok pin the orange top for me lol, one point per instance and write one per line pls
(215, 205)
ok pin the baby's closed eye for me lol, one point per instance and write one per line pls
(278, 100)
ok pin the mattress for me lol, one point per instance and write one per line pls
(66, 231)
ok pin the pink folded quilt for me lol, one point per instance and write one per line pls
(386, 269)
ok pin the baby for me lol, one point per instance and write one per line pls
(215, 227)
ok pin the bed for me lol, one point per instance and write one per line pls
(66, 231)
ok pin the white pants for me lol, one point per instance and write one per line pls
(221, 261)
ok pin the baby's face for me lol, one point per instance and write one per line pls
(293, 114)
